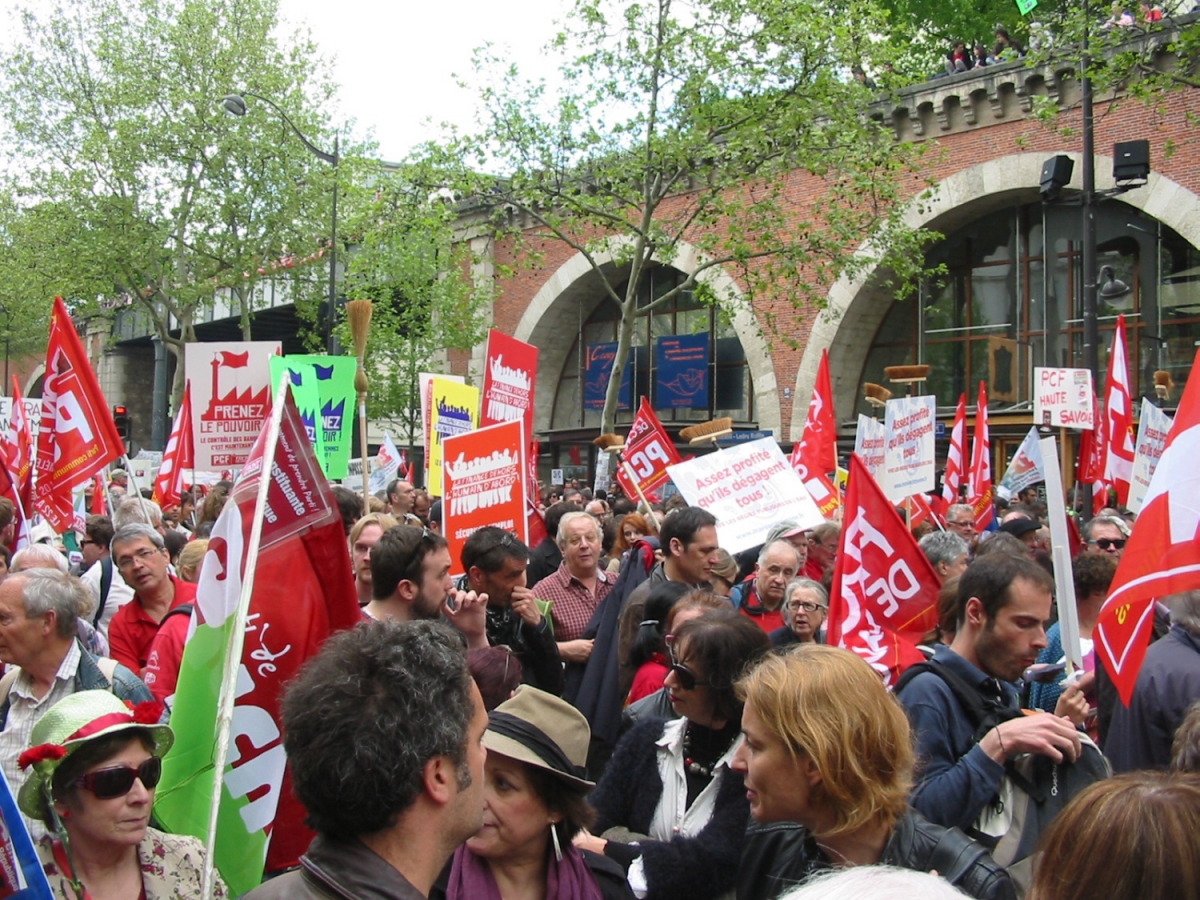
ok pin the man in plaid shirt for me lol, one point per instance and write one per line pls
(578, 587)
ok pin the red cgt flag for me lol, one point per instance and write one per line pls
(1163, 554)
(78, 435)
(952, 481)
(884, 597)
(980, 490)
(648, 451)
(17, 446)
(815, 454)
(1118, 418)
(179, 455)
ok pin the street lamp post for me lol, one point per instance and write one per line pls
(235, 104)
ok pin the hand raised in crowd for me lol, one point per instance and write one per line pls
(467, 611)
(524, 605)
(1072, 702)
(577, 651)
(1039, 732)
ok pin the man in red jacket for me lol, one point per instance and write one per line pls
(140, 556)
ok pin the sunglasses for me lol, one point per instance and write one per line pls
(686, 677)
(118, 781)
(1105, 543)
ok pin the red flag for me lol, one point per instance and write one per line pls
(815, 455)
(1118, 417)
(78, 435)
(99, 503)
(235, 360)
(980, 490)
(922, 511)
(884, 597)
(535, 522)
(952, 481)
(1089, 467)
(1162, 556)
(648, 451)
(179, 455)
(16, 446)
(531, 483)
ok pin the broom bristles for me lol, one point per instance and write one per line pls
(358, 312)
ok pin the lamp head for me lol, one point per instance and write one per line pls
(1112, 288)
(234, 104)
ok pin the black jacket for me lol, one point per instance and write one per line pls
(777, 856)
(541, 666)
(697, 867)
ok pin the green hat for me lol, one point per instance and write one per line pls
(73, 722)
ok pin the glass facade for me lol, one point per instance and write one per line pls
(1008, 298)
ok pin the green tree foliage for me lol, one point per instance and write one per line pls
(155, 197)
(674, 125)
(413, 262)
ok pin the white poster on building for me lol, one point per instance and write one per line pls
(231, 395)
(1062, 398)
(749, 488)
(908, 460)
(869, 443)
(1151, 438)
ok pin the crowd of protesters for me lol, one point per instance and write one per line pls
(622, 710)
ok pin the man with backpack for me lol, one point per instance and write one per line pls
(964, 707)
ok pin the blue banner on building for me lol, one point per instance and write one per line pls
(597, 368)
(681, 364)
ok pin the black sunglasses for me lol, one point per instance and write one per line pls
(685, 676)
(118, 781)
(1105, 543)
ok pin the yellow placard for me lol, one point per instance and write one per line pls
(454, 409)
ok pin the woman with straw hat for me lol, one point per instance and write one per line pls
(93, 763)
(534, 804)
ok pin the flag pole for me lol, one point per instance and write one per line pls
(1060, 553)
(237, 636)
(629, 473)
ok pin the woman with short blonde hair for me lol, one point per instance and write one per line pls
(829, 748)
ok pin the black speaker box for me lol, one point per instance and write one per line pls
(1131, 161)
(1056, 174)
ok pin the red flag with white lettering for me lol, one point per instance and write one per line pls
(17, 446)
(179, 455)
(1118, 417)
(648, 451)
(952, 481)
(884, 597)
(815, 454)
(980, 489)
(1162, 556)
(78, 435)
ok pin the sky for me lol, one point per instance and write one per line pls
(395, 62)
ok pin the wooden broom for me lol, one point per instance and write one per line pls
(359, 314)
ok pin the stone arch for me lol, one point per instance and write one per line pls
(573, 291)
(857, 307)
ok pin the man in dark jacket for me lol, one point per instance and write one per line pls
(389, 814)
(1140, 735)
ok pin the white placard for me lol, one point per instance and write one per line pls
(749, 488)
(556, 477)
(1060, 553)
(1153, 428)
(869, 443)
(909, 465)
(33, 412)
(1062, 398)
(231, 396)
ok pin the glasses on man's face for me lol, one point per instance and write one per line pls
(807, 605)
(1107, 543)
(686, 677)
(143, 556)
(968, 524)
(106, 784)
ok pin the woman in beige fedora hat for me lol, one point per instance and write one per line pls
(93, 764)
(535, 802)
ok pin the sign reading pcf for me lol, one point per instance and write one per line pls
(1064, 398)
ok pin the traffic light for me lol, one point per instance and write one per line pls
(124, 425)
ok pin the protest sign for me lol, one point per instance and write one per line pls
(870, 442)
(1151, 438)
(386, 464)
(908, 461)
(749, 488)
(425, 385)
(1063, 398)
(681, 367)
(33, 413)
(1026, 468)
(303, 385)
(231, 395)
(483, 483)
(454, 409)
(509, 377)
(648, 451)
(331, 379)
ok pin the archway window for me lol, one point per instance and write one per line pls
(1009, 299)
(731, 391)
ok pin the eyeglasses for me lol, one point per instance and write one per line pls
(1105, 543)
(144, 555)
(807, 606)
(966, 524)
(685, 676)
(118, 781)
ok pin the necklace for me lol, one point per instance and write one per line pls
(703, 747)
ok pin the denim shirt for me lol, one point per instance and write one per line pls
(956, 779)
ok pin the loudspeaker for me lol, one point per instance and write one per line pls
(1056, 174)
(1131, 161)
